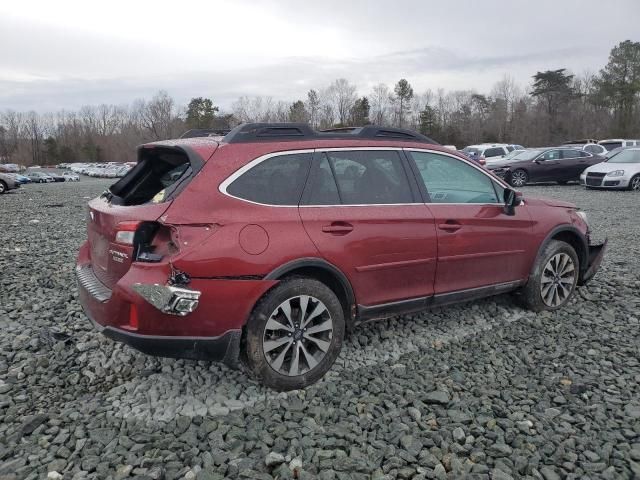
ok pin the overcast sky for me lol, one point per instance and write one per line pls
(64, 54)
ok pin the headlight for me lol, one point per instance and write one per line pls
(616, 173)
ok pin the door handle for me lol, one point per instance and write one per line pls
(338, 228)
(450, 226)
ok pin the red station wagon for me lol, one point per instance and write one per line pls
(261, 249)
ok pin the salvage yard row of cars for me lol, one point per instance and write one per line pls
(12, 176)
(594, 164)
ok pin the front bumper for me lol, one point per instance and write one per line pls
(596, 254)
(605, 182)
(502, 173)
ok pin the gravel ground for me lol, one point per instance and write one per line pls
(486, 389)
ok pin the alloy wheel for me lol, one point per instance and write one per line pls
(635, 183)
(297, 335)
(1, 187)
(518, 178)
(558, 279)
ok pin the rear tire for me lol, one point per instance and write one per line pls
(294, 334)
(3, 187)
(634, 183)
(553, 279)
(518, 178)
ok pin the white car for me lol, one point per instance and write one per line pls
(490, 151)
(611, 143)
(621, 171)
(71, 177)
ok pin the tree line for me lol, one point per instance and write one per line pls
(557, 105)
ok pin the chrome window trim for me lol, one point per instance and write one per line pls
(222, 188)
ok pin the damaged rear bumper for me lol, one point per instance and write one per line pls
(595, 256)
(225, 348)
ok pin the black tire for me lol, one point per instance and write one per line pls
(518, 178)
(634, 183)
(531, 294)
(3, 187)
(288, 292)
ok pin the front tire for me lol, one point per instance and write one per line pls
(3, 187)
(518, 178)
(554, 278)
(634, 183)
(294, 334)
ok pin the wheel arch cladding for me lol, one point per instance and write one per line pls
(324, 272)
(572, 236)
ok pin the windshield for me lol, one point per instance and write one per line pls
(626, 156)
(471, 150)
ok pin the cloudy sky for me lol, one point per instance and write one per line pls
(63, 54)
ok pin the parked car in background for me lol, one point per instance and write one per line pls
(70, 176)
(56, 176)
(581, 141)
(269, 245)
(9, 168)
(39, 177)
(621, 171)
(594, 148)
(487, 152)
(21, 179)
(612, 143)
(550, 164)
(8, 182)
(509, 155)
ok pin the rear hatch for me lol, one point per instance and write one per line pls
(121, 221)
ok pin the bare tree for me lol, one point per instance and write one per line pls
(157, 115)
(344, 96)
(380, 102)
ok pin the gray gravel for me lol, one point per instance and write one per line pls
(485, 389)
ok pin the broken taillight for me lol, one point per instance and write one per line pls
(125, 232)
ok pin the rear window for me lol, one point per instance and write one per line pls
(158, 174)
(493, 152)
(593, 148)
(611, 145)
(276, 181)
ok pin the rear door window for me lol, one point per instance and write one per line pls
(278, 180)
(551, 155)
(570, 153)
(323, 189)
(367, 177)
(450, 180)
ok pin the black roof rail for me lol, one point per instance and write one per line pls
(274, 132)
(205, 132)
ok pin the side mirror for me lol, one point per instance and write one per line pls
(511, 200)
